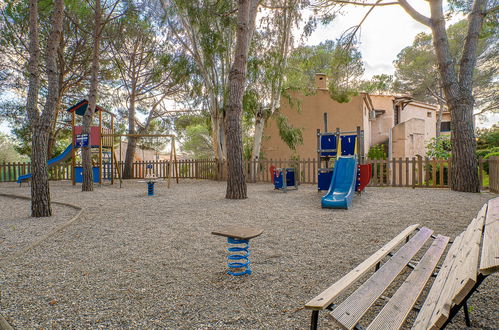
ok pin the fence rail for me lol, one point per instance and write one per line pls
(401, 172)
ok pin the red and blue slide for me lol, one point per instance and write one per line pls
(51, 162)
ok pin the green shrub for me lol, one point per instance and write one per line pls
(439, 148)
(377, 151)
(481, 153)
(439, 169)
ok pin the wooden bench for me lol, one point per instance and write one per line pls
(462, 271)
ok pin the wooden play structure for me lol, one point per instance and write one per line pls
(104, 145)
(102, 140)
(462, 272)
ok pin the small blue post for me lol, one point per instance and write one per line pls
(241, 259)
(150, 188)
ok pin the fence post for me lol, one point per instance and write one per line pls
(480, 171)
(413, 172)
(494, 174)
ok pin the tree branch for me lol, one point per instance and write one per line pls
(366, 4)
(414, 13)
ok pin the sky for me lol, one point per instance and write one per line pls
(385, 32)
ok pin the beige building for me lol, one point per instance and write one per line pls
(403, 125)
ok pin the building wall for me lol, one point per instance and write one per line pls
(409, 138)
(416, 116)
(346, 116)
(380, 127)
(425, 113)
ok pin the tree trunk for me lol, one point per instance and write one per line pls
(236, 183)
(40, 191)
(464, 161)
(439, 115)
(257, 142)
(88, 183)
(132, 142)
(129, 158)
(218, 136)
(33, 63)
(41, 124)
(458, 94)
(54, 132)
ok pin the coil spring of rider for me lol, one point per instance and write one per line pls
(150, 188)
(239, 260)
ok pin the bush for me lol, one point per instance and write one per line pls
(377, 152)
(481, 153)
(439, 148)
(488, 137)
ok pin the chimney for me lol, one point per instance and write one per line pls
(320, 81)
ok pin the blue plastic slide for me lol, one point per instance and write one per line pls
(342, 188)
(62, 157)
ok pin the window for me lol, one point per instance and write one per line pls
(445, 126)
(396, 114)
(428, 114)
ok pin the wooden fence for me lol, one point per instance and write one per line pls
(494, 174)
(414, 172)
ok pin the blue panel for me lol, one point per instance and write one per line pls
(81, 140)
(324, 179)
(79, 174)
(290, 177)
(348, 145)
(279, 179)
(328, 142)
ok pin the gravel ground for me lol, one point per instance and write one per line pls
(18, 229)
(151, 262)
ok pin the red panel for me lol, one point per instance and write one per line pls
(365, 175)
(94, 135)
(272, 170)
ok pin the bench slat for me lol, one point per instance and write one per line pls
(444, 304)
(490, 248)
(461, 276)
(433, 297)
(468, 271)
(350, 311)
(325, 299)
(393, 315)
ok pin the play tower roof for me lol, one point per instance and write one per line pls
(81, 107)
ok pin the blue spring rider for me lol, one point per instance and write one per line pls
(239, 260)
(150, 188)
(151, 179)
(238, 237)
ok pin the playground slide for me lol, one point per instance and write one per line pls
(342, 188)
(63, 156)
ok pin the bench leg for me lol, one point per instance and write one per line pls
(314, 320)
(466, 314)
(464, 304)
